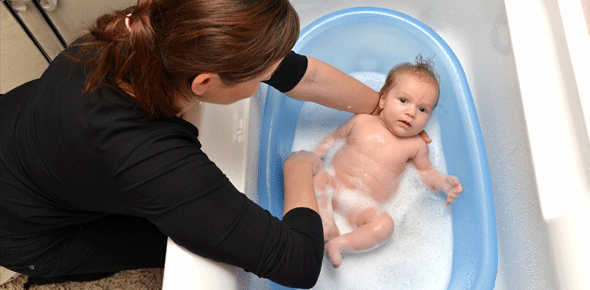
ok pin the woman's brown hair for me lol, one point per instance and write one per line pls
(170, 42)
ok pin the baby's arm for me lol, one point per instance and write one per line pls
(433, 178)
(340, 133)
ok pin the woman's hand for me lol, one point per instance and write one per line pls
(298, 171)
(424, 136)
(301, 157)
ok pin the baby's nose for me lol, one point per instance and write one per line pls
(411, 111)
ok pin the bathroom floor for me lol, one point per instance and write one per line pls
(145, 279)
(20, 61)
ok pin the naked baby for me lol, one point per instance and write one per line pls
(367, 169)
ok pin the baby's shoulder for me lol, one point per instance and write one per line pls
(417, 144)
(363, 118)
(361, 122)
(412, 145)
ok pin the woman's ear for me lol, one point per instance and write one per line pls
(201, 83)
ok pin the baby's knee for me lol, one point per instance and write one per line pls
(383, 225)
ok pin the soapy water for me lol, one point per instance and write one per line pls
(419, 253)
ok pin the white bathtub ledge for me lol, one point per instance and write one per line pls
(570, 238)
(230, 137)
(551, 101)
(185, 270)
(556, 103)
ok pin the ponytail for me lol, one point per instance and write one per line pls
(169, 42)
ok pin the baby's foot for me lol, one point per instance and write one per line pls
(333, 250)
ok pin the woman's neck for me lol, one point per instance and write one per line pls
(183, 105)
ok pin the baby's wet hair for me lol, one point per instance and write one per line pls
(423, 69)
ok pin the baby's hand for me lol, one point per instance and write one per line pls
(323, 148)
(452, 188)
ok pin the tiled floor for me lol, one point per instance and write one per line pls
(20, 61)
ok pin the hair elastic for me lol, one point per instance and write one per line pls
(127, 22)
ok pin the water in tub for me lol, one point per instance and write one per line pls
(419, 253)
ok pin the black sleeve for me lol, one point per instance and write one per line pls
(173, 184)
(289, 72)
(308, 224)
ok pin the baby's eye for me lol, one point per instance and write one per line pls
(423, 110)
(403, 100)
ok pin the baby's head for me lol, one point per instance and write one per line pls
(408, 97)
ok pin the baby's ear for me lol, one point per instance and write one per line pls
(381, 100)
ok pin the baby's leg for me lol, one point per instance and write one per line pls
(374, 227)
(322, 183)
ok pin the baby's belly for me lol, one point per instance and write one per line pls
(367, 176)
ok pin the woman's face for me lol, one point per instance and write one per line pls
(220, 93)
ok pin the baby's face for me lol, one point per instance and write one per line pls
(408, 106)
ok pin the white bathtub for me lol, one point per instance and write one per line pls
(524, 86)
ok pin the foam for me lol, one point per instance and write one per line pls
(419, 253)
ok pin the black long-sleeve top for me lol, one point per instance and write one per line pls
(68, 158)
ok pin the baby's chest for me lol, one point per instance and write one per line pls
(382, 145)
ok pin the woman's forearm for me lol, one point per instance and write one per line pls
(328, 86)
(298, 177)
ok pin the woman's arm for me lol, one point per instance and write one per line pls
(298, 171)
(171, 182)
(328, 86)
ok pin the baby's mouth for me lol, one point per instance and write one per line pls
(405, 124)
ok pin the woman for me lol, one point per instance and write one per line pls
(97, 169)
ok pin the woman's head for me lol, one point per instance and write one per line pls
(170, 42)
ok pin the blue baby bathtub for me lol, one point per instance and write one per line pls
(374, 40)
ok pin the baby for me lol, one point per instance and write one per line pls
(368, 168)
